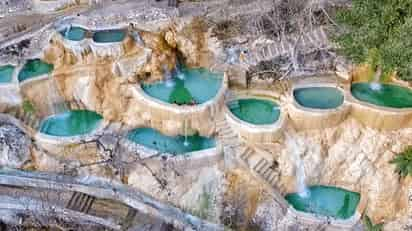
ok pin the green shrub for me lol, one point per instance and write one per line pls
(377, 32)
(28, 107)
(403, 162)
(369, 226)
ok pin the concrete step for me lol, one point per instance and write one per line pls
(246, 154)
(262, 166)
(80, 202)
(271, 178)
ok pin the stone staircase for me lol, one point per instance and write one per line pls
(80, 202)
(29, 119)
(247, 155)
(307, 42)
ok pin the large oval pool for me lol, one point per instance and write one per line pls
(318, 97)
(71, 123)
(73, 33)
(255, 111)
(386, 95)
(6, 73)
(109, 36)
(327, 201)
(33, 68)
(176, 145)
(189, 86)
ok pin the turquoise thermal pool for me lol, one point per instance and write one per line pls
(176, 145)
(188, 86)
(6, 73)
(109, 36)
(255, 111)
(327, 201)
(73, 33)
(33, 68)
(318, 97)
(71, 123)
(385, 95)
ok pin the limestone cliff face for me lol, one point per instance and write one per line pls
(353, 157)
(190, 38)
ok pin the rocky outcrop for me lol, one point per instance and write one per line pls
(352, 157)
(14, 146)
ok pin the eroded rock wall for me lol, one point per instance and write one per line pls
(353, 157)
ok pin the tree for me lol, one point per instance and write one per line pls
(403, 162)
(376, 32)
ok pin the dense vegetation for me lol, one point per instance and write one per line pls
(403, 162)
(378, 33)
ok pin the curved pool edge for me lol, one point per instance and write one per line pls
(55, 144)
(341, 224)
(257, 133)
(200, 117)
(311, 118)
(379, 117)
(194, 159)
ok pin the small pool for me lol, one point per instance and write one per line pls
(318, 97)
(176, 145)
(33, 68)
(386, 95)
(109, 36)
(71, 123)
(188, 86)
(327, 201)
(6, 73)
(74, 33)
(255, 111)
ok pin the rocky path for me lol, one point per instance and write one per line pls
(89, 189)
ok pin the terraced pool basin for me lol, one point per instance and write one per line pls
(109, 36)
(71, 123)
(6, 73)
(190, 86)
(176, 145)
(327, 201)
(255, 111)
(318, 97)
(33, 68)
(385, 95)
(74, 33)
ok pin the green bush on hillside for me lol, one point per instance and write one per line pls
(378, 33)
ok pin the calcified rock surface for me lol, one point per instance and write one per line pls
(14, 146)
(353, 157)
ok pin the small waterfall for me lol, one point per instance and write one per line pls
(168, 77)
(56, 102)
(66, 32)
(302, 190)
(185, 143)
(375, 85)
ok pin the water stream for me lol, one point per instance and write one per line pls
(55, 101)
(302, 189)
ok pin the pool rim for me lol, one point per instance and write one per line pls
(150, 152)
(352, 220)
(266, 127)
(74, 25)
(34, 78)
(353, 100)
(297, 105)
(14, 81)
(56, 140)
(93, 30)
(178, 109)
